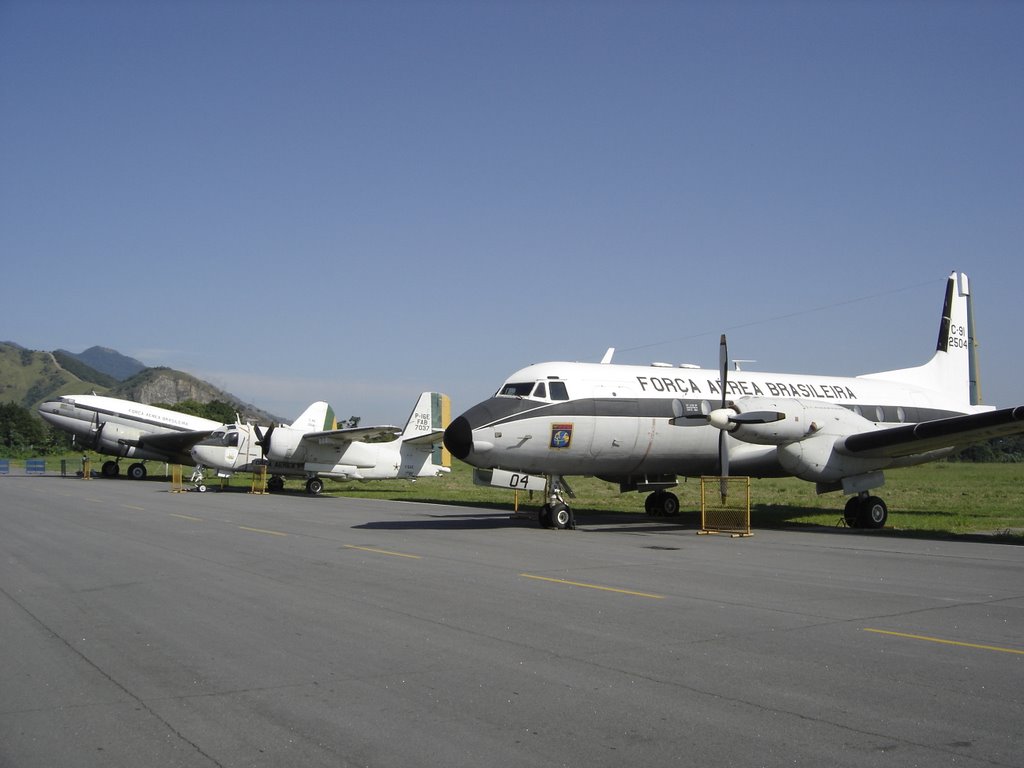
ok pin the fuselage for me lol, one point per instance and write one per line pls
(110, 425)
(615, 420)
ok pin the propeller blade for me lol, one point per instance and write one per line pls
(723, 445)
(263, 439)
(757, 417)
(723, 365)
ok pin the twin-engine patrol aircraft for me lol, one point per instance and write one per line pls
(313, 447)
(644, 426)
(126, 429)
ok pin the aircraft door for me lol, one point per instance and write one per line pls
(616, 423)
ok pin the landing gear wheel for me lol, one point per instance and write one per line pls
(873, 513)
(662, 503)
(275, 484)
(669, 504)
(651, 504)
(110, 469)
(314, 486)
(866, 512)
(851, 515)
(561, 517)
(137, 471)
(201, 488)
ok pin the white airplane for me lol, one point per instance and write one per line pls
(313, 447)
(126, 429)
(628, 424)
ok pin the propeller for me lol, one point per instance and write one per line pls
(263, 438)
(723, 445)
(725, 418)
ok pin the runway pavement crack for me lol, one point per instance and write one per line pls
(103, 673)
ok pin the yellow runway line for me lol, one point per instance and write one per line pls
(262, 530)
(944, 642)
(382, 552)
(593, 586)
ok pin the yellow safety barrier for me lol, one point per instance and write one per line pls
(725, 505)
(259, 480)
(177, 486)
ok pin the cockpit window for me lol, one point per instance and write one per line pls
(540, 391)
(522, 389)
(558, 390)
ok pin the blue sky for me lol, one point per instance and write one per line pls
(360, 201)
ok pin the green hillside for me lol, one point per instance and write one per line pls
(28, 377)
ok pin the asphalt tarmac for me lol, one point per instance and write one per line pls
(146, 628)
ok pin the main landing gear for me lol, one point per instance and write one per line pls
(314, 485)
(662, 503)
(864, 511)
(136, 471)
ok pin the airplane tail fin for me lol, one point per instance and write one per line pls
(953, 369)
(426, 426)
(318, 417)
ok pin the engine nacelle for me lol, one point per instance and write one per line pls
(111, 438)
(283, 442)
(797, 424)
(815, 457)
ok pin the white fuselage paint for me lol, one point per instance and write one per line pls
(617, 421)
(112, 419)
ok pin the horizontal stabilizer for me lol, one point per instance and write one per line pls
(431, 438)
(937, 434)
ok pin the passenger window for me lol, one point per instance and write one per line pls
(558, 390)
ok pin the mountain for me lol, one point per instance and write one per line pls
(108, 361)
(72, 364)
(28, 377)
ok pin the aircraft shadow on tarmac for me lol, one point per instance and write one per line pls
(449, 523)
(769, 517)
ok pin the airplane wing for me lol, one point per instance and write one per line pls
(429, 439)
(933, 435)
(171, 442)
(352, 434)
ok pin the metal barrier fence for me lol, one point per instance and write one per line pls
(259, 479)
(177, 485)
(725, 505)
(35, 466)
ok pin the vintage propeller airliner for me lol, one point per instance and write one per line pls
(643, 427)
(126, 429)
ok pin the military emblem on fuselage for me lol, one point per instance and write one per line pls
(561, 435)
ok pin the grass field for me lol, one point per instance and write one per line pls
(939, 499)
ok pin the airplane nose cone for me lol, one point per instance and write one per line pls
(458, 438)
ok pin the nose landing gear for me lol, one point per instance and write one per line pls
(556, 513)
